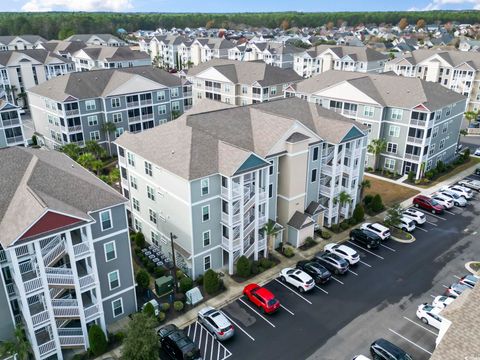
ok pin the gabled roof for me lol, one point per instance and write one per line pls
(453, 57)
(63, 47)
(88, 37)
(360, 53)
(300, 220)
(112, 53)
(32, 39)
(12, 57)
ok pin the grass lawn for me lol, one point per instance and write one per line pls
(391, 193)
(472, 161)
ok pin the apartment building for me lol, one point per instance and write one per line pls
(108, 57)
(346, 58)
(63, 48)
(456, 70)
(97, 39)
(65, 252)
(239, 82)
(170, 51)
(419, 120)
(21, 42)
(206, 49)
(11, 129)
(273, 53)
(73, 108)
(215, 176)
(20, 70)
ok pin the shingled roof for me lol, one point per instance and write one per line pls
(453, 57)
(358, 53)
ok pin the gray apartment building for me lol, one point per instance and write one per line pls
(65, 252)
(97, 39)
(108, 57)
(20, 42)
(11, 128)
(215, 176)
(73, 108)
(419, 120)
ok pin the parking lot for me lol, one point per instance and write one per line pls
(377, 298)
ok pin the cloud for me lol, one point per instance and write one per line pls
(441, 4)
(77, 5)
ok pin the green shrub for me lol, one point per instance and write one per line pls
(138, 252)
(440, 166)
(367, 200)
(186, 284)
(254, 269)
(335, 228)
(161, 316)
(309, 241)
(325, 235)
(377, 204)
(159, 271)
(180, 274)
(358, 213)
(178, 305)
(211, 284)
(411, 176)
(140, 240)
(199, 280)
(243, 267)
(369, 169)
(165, 307)
(266, 263)
(429, 174)
(118, 337)
(34, 140)
(143, 279)
(288, 251)
(97, 340)
(344, 225)
(151, 267)
(149, 309)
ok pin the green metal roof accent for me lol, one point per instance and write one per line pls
(253, 162)
(353, 133)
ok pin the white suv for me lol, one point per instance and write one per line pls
(297, 278)
(460, 190)
(378, 229)
(458, 200)
(443, 200)
(430, 315)
(344, 252)
(415, 215)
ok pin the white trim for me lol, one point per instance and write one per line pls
(208, 213)
(290, 199)
(209, 238)
(205, 200)
(111, 219)
(113, 310)
(112, 234)
(297, 153)
(114, 250)
(130, 288)
(118, 279)
(205, 257)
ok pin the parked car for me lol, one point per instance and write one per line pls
(319, 273)
(384, 350)
(443, 200)
(417, 216)
(366, 238)
(469, 280)
(406, 224)
(216, 322)
(477, 171)
(378, 229)
(442, 301)
(456, 289)
(344, 252)
(471, 184)
(332, 262)
(262, 298)
(176, 344)
(297, 278)
(430, 315)
(425, 203)
(460, 190)
(477, 152)
(458, 200)
(155, 305)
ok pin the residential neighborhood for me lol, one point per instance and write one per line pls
(259, 181)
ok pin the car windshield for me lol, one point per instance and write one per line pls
(428, 308)
(272, 302)
(434, 202)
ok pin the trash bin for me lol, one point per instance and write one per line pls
(164, 285)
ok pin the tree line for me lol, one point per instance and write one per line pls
(54, 25)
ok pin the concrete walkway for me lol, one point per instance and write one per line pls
(397, 182)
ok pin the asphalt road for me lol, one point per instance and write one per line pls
(472, 142)
(377, 299)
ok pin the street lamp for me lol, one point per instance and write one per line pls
(175, 284)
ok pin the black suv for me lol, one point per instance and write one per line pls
(176, 344)
(318, 272)
(366, 238)
(332, 262)
(384, 350)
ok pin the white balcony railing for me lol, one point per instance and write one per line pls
(86, 281)
(72, 112)
(81, 249)
(32, 285)
(40, 318)
(412, 157)
(414, 140)
(66, 312)
(22, 250)
(46, 347)
(418, 122)
(3, 256)
(11, 289)
(14, 139)
(224, 217)
(75, 128)
(71, 340)
(92, 311)
(54, 253)
(70, 332)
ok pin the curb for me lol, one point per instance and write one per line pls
(413, 239)
(467, 266)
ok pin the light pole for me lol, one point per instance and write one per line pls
(174, 271)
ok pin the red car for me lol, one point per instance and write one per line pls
(262, 298)
(425, 203)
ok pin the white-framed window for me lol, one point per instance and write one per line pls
(429, 165)
(138, 225)
(136, 204)
(90, 105)
(133, 182)
(175, 106)
(95, 135)
(155, 237)
(117, 307)
(115, 102)
(119, 131)
(438, 115)
(205, 213)
(368, 111)
(153, 216)
(273, 90)
(131, 159)
(110, 251)
(162, 109)
(161, 95)
(151, 193)
(207, 262)
(397, 114)
(369, 127)
(106, 220)
(394, 131)
(432, 149)
(205, 186)
(448, 111)
(435, 132)
(226, 87)
(92, 120)
(148, 168)
(174, 92)
(117, 117)
(444, 128)
(114, 279)
(390, 164)
(442, 144)
(244, 89)
(206, 238)
(392, 148)
(50, 119)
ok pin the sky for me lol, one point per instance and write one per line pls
(234, 6)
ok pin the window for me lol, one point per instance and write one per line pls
(110, 251)
(106, 220)
(445, 128)
(148, 168)
(442, 144)
(151, 193)
(115, 102)
(95, 135)
(394, 131)
(90, 105)
(226, 87)
(313, 177)
(397, 114)
(438, 115)
(315, 153)
(154, 236)
(138, 225)
(435, 132)
(244, 89)
(448, 111)
(205, 213)
(113, 279)
(136, 204)
(270, 190)
(153, 216)
(392, 148)
(175, 106)
(390, 164)
(270, 168)
(432, 149)
(368, 111)
(131, 159)
(162, 109)
(118, 132)
(206, 238)
(161, 95)
(133, 182)
(204, 184)
(117, 307)
(207, 263)
(369, 127)
(273, 90)
(174, 92)
(92, 120)
(117, 117)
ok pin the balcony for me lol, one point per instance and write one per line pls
(86, 281)
(420, 123)
(72, 112)
(61, 277)
(236, 244)
(40, 318)
(91, 312)
(3, 256)
(81, 249)
(75, 128)
(11, 122)
(414, 140)
(65, 308)
(15, 140)
(11, 289)
(134, 118)
(32, 285)
(132, 104)
(46, 348)
(412, 157)
(146, 102)
(236, 192)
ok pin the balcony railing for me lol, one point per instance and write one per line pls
(72, 112)
(65, 308)
(46, 347)
(414, 140)
(132, 103)
(75, 128)
(54, 253)
(134, 118)
(40, 318)
(418, 122)
(236, 192)
(412, 157)
(81, 249)
(60, 277)
(146, 102)
(32, 285)
(14, 139)
(11, 122)
(72, 341)
(86, 281)
(3, 256)
(92, 311)
(70, 332)
(236, 244)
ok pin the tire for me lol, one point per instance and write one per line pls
(416, 205)
(456, 204)
(301, 289)
(434, 212)
(282, 279)
(424, 320)
(369, 246)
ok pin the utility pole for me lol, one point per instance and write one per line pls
(174, 270)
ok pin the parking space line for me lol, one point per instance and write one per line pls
(445, 286)
(410, 341)
(419, 228)
(219, 345)
(387, 247)
(372, 253)
(290, 312)
(353, 272)
(318, 287)
(449, 212)
(195, 332)
(429, 213)
(238, 326)
(300, 296)
(334, 278)
(433, 296)
(256, 312)
(431, 223)
(423, 327)
(457, 277)
(364, 263)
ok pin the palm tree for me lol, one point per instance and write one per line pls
(470, 116)
(19, 346)
(96, 149)
(23, 96)
(10, 90)
(376, 147)
(108, 128)
(365, 184)
(87, 160)
(270, 231)
(114, 176)
(72, 150)
(342, 199)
